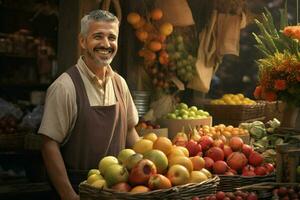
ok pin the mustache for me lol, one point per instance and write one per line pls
(103, 48)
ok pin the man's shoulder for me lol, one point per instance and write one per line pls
(64, 81)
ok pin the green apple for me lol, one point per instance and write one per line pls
(106, 162)
(185, 116)
(193, 108)
(183, 112)
(171, 116)
(183, 106)
(192, 114)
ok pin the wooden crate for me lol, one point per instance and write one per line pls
(287, 160)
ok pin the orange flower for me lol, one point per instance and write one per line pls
(270, 96)
(257, 92)
(280, 84)
(292, 31)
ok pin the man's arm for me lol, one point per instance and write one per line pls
(132, 137)
(56, 169)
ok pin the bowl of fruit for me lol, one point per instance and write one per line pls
(184, 117)
(147, 126)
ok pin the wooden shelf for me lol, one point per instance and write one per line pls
(18, 56)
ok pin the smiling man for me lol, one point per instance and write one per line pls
(89, 112)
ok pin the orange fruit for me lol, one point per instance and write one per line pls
(139, 24)
(141, 35)
(156, 14)
(133, 18)
(182, 160)
(198, 162)
(166, 28)
(155, 46)
(149, 55)
(164, 144)
(139, 189)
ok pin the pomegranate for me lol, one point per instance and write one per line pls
(193, 147)
(269, 167)
(220, 195)
(215, 153)
(255, 159)
(247, 150)
(236, 143)
(208, 163)
(252, 196)
(248, 168)
(227, 150)
(218, 143)
(237, 161)
(141, 172)
(220, 167)
(260, 170)
(206, 142)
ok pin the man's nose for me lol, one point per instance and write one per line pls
(105, 42)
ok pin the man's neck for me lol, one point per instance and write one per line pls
(100, 72)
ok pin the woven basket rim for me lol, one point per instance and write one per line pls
(247, 177)
(162, 191)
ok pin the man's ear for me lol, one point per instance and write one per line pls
(82, 41)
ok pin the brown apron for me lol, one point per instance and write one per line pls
(99, 130)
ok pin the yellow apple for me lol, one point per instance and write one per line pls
(124, 155)
(94, 177)
(178, 175)
(99, 184)
(106, 162)
(93, 171)
(197, 177)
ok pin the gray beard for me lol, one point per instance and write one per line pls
(99, 62)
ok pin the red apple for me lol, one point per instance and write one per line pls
(248, 168)
(141, 172)
(218, 143)
(220, 195)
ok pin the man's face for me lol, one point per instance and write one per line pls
(101, 42)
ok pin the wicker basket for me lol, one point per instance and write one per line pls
(235, 114)
(229, 183)
(13, 141)
(264, 190)
(187, 191)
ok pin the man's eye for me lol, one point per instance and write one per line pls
(112, 38)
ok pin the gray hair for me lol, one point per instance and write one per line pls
(96, 15)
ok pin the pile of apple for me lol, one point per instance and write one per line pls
(237, 195)
(181, 60)
(153, 163)
(233, 99)
(221, 131)
(183, 111)
(225, 156)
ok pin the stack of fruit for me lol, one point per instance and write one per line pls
(153, 36)
(146, 125)
(225, 156)
(153, 163)
(222, 131)
(181, 60)
(233, 99)
(183, 111)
